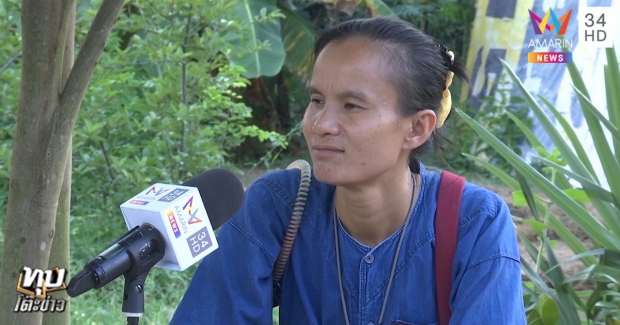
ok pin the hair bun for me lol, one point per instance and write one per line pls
(447, 58)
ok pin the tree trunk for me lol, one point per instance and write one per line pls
(59, 253)
(42, 142)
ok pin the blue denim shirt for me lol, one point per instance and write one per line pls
(233, 285)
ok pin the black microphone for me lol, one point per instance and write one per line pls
(144, 246)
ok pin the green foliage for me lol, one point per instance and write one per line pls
(569, 161)
(10, 71)
(265, 56)
(281, 32)
(449, 21)
(163, 106)
(462, 139)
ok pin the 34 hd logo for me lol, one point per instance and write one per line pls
(34, 286)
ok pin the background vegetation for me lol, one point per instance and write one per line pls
(186, 86)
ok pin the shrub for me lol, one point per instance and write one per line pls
(550, 296)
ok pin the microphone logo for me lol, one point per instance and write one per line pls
(157, 192)
(173, 223)
(189, 208)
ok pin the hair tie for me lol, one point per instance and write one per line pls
(448, 58)
(446, 102)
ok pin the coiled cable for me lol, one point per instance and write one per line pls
(293, 226)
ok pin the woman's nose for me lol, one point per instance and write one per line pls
(326, 121)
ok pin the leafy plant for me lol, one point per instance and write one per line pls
(449, 21)
(492, 116)
(569, 163)
(10, 71)
(287, 41)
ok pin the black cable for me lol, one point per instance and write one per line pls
(132, 320)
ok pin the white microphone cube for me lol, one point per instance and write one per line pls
(179, 214)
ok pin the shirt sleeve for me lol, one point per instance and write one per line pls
(488, 286)
(233, 285)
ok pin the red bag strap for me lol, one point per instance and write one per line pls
(446, 232)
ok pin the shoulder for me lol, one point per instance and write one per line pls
(486, 229)
(279, 191)
(476, 200)
(285, 185)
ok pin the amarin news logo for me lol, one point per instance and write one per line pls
(189, 208)
(540, 24)
(551, 23)
(34, 286)
(157, 192)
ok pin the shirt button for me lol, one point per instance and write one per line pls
(369, 259)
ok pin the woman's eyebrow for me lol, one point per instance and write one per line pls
(350, 93)
(355, 94)
(313, 90)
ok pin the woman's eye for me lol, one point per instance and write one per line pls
(351, 106)
(316, 101)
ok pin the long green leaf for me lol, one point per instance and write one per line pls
(561, 180)
(576, 77)
(298, 36)
(536, 279)
(578, 213)
(529, 135)
(502, 175)
(601, 273)
(575, 244)
(567, 153)
(572, 136)
(612, 84)
(606, 210)
(567, 298)
(248, 49)
(610, 164)
(615, 133)
(608, 160)
(532, 250)
(558, 226)
(594, 252)
(529, 197)
(589, 186)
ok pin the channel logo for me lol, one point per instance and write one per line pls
(541, 24)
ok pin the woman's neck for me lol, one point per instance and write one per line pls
(373, 212)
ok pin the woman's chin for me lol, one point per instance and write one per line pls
(325, 174)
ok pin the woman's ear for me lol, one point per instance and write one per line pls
(420, 127)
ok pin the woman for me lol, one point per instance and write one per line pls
(364, 252)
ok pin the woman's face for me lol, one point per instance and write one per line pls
(353, 126)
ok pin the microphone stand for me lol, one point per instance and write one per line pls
(133, 297)
(144, 257)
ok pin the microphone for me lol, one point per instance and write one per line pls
(170, 227)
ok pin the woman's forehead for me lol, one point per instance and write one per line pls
(350, 62)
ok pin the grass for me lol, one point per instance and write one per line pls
(164, 290)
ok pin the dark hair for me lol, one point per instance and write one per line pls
(419, 65)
